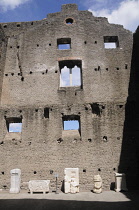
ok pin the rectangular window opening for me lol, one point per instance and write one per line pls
(14, 125)
(111, 42)
(70, 73)
(71, 122)
(64, 44)
(46, 112)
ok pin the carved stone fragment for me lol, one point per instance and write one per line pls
(71, 180)
(39, 186)
(97, 184)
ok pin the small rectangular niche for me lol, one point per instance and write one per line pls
(46, 112)
(111, 42)
(71, 122)
(14, 125)
(96, 109)
(64, 44)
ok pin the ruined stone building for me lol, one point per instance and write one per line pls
(69, 67)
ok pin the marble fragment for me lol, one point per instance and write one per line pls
(71, 180)
(15, 180)
(97, 184)
(120, 182)
(39, 186)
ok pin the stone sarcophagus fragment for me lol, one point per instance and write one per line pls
(15, 180)
(39, 186)
(97, 184)
(71, 180)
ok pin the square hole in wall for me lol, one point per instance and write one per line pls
(111, 42)
(64, 44)
(14, 125)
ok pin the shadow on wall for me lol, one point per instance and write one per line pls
(129, 160)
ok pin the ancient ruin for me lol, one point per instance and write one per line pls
(69, 99)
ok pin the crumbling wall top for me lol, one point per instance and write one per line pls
(66, 8)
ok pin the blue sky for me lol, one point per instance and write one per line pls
(124, 12)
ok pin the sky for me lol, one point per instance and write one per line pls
(124, 12)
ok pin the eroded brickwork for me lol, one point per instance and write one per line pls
(30, 82)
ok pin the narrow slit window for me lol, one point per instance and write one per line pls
(64, 44)
(46, 112)
(70, 73)
(14, 125)
(111, 42)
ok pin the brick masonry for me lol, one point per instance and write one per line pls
(30, 82)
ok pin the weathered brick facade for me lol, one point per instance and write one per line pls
(30, 82)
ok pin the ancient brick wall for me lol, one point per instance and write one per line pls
(31, 83)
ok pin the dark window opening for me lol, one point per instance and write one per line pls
(5, 26)
(18, 25)
(96, 109)
(14, 124)
(46, 112)
(64, 44)
(126, 66)
(111, 42)
(69, 20)
(71, 122)
(70, 73)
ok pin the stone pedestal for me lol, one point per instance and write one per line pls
(71, 180)
(97, 184)
(39, 186)
(15, 180)
(120, 182)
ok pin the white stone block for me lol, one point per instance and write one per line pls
(39, 186)
(120, 182)
(71, 180)
(15, 180)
